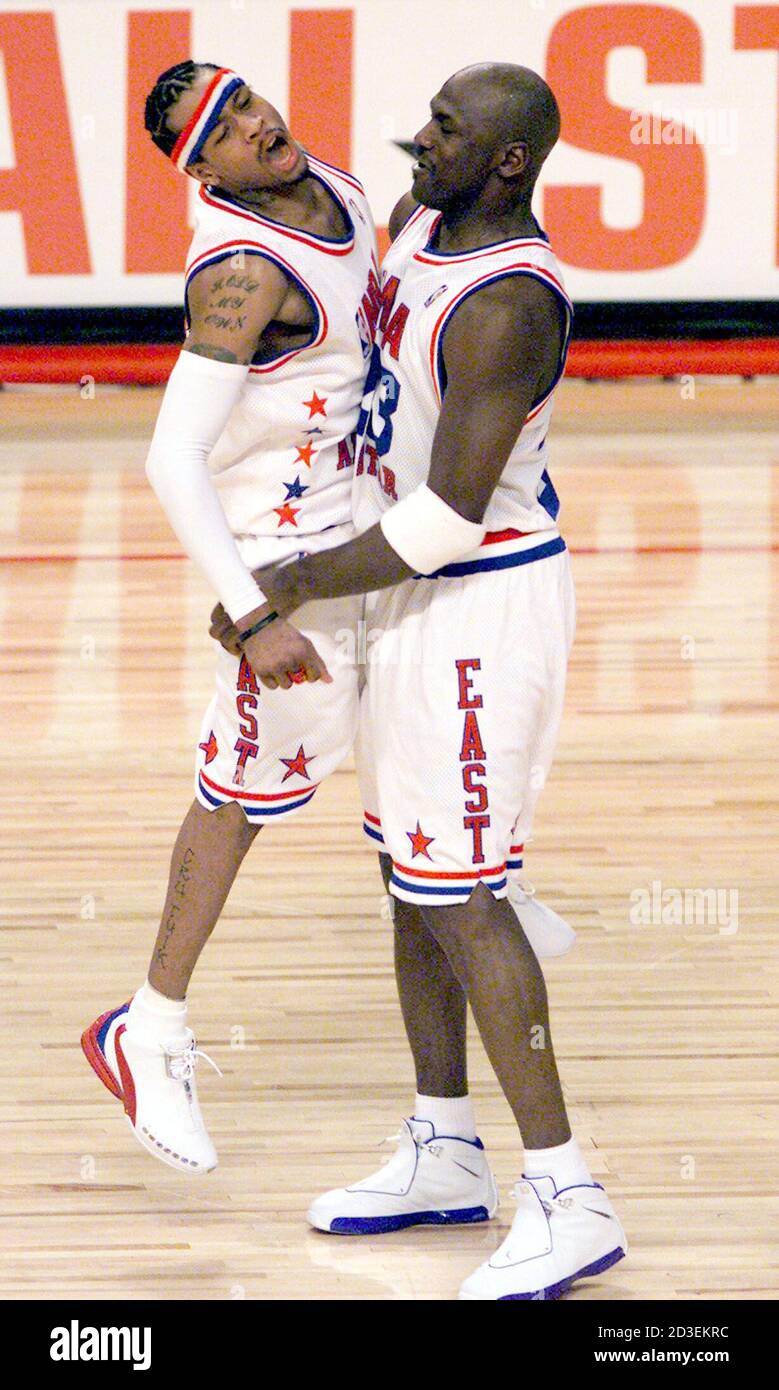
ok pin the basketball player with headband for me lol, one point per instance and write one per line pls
(252, 460)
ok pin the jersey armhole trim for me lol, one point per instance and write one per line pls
(229, 249)
(437, 367)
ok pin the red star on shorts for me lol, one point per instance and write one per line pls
(287, 513)
(316, 406)
(419, 842)
(297, 764)
(304, 454)
(210, 747)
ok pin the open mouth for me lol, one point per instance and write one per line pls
(278, 151)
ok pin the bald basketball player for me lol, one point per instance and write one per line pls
(473, 610)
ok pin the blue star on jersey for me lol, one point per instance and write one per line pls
(295, 489)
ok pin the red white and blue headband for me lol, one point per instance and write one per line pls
(190, 142)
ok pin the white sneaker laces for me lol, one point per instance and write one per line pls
(181, 1059)
(421, 1144)
(565, 1203)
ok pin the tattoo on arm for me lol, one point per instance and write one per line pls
(230, 310)
(217, 354)
(226, 321)
(230, 293)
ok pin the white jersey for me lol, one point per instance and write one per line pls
(283, 464)
(421, 290)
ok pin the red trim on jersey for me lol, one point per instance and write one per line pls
(431, 257)
(374, 820)
(432, 873)
(318, 243)
(415, 217)
(258, 796)
(531, 415)
(495, 537)
(342, 174)
(519, 267)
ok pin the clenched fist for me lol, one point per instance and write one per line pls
(280, 656)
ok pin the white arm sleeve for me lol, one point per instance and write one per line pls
(198, 399)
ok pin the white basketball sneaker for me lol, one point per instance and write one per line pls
(156, 1084)
(547, 932)
(431, 1180)
(555, 1239)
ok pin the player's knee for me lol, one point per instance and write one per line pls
(232, 819)
(469, 924)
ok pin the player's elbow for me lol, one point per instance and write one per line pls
(157, 469)
(469, 506)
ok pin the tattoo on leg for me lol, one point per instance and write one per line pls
(180, 891)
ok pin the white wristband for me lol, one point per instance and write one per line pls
(427, 533)
(198, 400)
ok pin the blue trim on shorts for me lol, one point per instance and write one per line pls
(498, 562)
(213, 799)
(254, 810)
(448, 892)
(276, 810)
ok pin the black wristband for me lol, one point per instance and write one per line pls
(252, 631)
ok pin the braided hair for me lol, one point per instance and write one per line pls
(165, 93)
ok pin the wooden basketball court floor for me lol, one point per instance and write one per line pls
(665, 781)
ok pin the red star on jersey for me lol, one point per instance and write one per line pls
(210, 747)
(304, 454)
(287, 513)
(419, 842)
(316, 406)
(297, 764)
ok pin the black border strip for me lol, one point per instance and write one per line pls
(163, 323)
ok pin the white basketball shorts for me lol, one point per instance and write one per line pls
(465, 690)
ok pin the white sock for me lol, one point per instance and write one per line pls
(155, 1017)
(453, 1116)
(563, 1163)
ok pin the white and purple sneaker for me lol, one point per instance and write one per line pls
(431, 1180)
(555, 1239)
(155, 1083)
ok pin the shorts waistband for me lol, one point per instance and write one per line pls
(499, 562)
